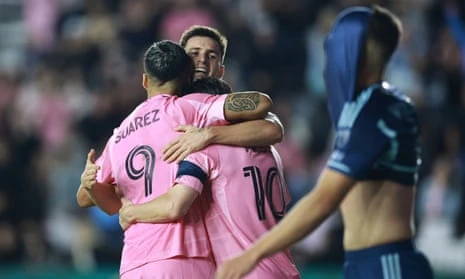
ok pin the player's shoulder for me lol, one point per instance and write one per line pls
(234, 154)
(207, 158)
(218, 151)
(196, 97)
(396, 105)
(203, 98)
(129, 117)
(389, 94)
(193, 100)
(180, 108)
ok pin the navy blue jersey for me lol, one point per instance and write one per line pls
(377, 137)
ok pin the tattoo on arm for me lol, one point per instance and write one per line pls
(242, 102)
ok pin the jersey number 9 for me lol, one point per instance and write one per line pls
(146, 170)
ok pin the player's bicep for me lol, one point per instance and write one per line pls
(243, 106)
(332, 187)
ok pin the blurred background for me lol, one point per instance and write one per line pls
(70, 71)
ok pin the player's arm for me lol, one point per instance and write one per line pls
(168, 207)
(356, 153)
(105, 197)
(304, 217)
(249, 105)
(103, 194)
(83, 199)
(173, 204)
(88, 179)
(253, 133)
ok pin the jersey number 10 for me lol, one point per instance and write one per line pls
(265, 192)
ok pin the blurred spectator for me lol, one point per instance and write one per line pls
(183, 14)
(315, 59)
(440, 192)
(438, 207)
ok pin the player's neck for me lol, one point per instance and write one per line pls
(368, 78)
(166, 88)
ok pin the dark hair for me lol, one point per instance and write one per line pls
(166, 60)
(385, 29)
(210, 85)
(205, 31)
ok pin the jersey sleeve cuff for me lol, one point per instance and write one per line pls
(344, 169)
(217, 108)
(190, 181)
(100, 176)
(191, 175)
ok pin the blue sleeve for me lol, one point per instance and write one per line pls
(359, 145)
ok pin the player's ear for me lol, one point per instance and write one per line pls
(145, 81)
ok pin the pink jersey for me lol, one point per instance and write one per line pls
(248, 197)
(133, 156)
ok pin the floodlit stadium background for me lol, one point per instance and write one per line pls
(70, 71)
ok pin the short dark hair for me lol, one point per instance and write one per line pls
(210, 85)
(205, 31)
(385, 29)
(166, 60)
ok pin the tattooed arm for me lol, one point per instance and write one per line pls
(249, 105)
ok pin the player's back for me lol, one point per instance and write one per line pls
(135, 151)
(249, 197)
(384, 135)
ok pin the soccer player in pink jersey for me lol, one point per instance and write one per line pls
(244, 197)
(132, 157)
(207, 48)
